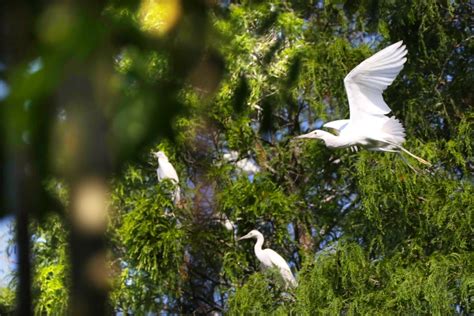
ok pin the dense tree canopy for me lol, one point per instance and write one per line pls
(205, 80)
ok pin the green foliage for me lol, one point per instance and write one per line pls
(53, 295)
(260, 199)
(51, 268)
(255, 297)
(367, 234)
(7, 300)
(347, 280)
(147, 240)
(260, 296)
(152, 241)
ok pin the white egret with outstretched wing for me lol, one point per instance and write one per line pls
(368, 126)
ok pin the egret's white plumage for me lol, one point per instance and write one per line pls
(248, 165)
(222, 219)
(166, 171)
(270, 258)
(368, 126)
(227, 223)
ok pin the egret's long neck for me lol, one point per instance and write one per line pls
(331, 140)
(258, 244)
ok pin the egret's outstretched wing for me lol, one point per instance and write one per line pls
(337, 125)
(366, 82)
(281, 264)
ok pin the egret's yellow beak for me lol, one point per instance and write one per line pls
(304, 136)
(245, 237)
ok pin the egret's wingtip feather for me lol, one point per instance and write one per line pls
(399, 43)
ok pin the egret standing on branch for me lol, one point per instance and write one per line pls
(166, 171)
(368, 125)
(269, 258)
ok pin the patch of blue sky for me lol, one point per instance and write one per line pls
(327, 248)
(304, 125)
(251, 177)
(317, 123)
(8, 257)
(280, 134)
(4, 90)
(291, 231)
(35, 66)
(372, 39)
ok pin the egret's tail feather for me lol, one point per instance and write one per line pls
(289, 278)
(394, 130)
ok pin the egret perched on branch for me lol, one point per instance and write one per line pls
(226, 222)
(269, 258)
(368, 126)
(166, 171)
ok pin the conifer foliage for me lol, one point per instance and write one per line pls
(363, 233)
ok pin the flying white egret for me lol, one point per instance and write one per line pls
(270, 258)
(368, 126)
(166, 171)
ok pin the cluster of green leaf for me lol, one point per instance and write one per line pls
(147, 238)
(348, 280)
(411, 228)
(7, 300)
(50, 278)
(367, 234)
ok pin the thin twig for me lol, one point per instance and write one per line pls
(445, 64)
